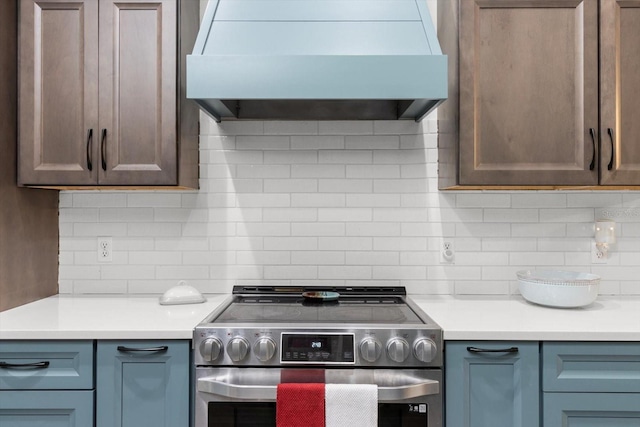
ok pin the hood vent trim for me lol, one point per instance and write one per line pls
(317, 60)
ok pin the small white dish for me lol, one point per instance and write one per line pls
(558, 288)
(182, 294)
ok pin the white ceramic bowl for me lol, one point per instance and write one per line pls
(558, 288)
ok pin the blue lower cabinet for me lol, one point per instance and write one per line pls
(142, 383)
(591, 409)
(492, 384)
(46, 408)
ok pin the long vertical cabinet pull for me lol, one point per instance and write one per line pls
(592, 131)
(89, 144)
(610, 132)
(102, 149)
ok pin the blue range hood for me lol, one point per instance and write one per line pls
(317, 60)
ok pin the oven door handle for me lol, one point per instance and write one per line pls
(223, 387)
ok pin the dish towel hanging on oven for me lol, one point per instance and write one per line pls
(351, 405)
(300, 405)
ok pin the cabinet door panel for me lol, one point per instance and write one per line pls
(138, 75)
(528, 92)
(492, 389)
(137, 388)
(620, 94)
(58, 92)
(591, 409)
(46, 408)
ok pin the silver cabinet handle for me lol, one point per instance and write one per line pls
(266, 388)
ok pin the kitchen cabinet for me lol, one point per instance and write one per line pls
(542, 93)
(587, 384)
(46, 383)
(102, 93)
(143, 383)
(491, 384)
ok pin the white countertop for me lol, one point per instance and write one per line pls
(513, 318)
(461, 318)
(104, 317)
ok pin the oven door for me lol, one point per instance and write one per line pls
(238, 397)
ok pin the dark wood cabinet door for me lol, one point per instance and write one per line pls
(620, 92)
(138, 79)
(528, 92)
(58, 92)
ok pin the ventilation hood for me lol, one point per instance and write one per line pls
(317, 60)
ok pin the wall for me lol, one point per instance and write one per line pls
(345, 203)
(28, 218)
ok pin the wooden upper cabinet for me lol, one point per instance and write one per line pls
(58, 92)
(620, 92)
(542, 93)
(528, 82)
(102, 93)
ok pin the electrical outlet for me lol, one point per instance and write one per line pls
(105, 249)
(447, 254)
(597, 256)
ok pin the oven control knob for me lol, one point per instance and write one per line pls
(425, 350)
(237, 349)
(210, 349)
(370, 349)
(398, 349)
(264, 349)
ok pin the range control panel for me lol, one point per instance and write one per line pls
(282, 347)
(324, 348)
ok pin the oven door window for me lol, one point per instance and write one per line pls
(251, 414)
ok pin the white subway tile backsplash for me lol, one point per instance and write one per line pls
(372, 142)
(373, 200)
(317, 258)
(318, 229)
(290, 185)
(345, 157)
(263, 171)
(483, 200)
(291, 157)
(317, 200)
(317, 142)
(373, 171)
(595, 199)
(398, 127)
(317, 171)
(345, 185)
(249, 142)
(363, 127)
(335, 203)
(290, 128)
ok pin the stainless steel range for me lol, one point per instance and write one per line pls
(263, 336)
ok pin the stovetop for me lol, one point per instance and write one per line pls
(279, 305)
(275, 326)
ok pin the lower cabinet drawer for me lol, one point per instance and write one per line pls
(38, 365)
(591, 409)
(46, 408)
(591, 367)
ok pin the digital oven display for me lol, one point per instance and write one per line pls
(318, 348)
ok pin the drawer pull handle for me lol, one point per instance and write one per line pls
(35, 365)
(491, 350)
(161, 349)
